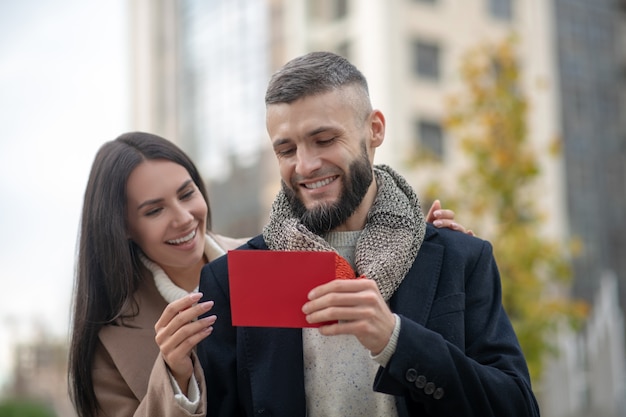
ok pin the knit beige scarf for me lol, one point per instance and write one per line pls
(388, 244)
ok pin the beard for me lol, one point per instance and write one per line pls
(325, 217)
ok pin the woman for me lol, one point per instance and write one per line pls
(144, 237)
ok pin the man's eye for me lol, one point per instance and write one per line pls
(285, 152)
(326, 141)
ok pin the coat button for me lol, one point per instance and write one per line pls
(429, 388)
(438, 394)
(411, 375)
(420, 382)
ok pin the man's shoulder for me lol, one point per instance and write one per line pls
(254, 243)
(453, 240)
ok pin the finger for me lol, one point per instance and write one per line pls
(430, 217)
(336, 327)
(440, 224)
(341, 314)
(444, 214)
(332, 303)
(182, 318)
(170, 342)
(341, 285)
(176, 307)
(176, 351)
(192, 313)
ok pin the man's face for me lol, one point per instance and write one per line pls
(324, 216)
(324, 151)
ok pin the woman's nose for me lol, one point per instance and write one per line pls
(182, 216)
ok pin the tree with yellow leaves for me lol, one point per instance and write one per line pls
(495, 195)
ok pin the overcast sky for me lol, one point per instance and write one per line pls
(63, 92)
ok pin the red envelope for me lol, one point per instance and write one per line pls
(269, 288)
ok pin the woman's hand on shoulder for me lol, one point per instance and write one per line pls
(178, 332)
(440, 217)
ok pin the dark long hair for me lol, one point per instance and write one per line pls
(108, 268)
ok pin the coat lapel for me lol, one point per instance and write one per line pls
(414, 298)
(132, 346)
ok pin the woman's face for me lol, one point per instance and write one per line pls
(167, 215)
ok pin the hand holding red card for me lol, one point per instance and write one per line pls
(269, 288)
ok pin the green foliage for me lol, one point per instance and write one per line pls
(494, 196)
(24, 408)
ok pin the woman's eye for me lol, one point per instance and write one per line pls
(153, 211)
(187, 195)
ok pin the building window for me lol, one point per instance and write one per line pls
(501, 9)
(327, 10)
(426, 60)
(430, 136)
(341, 9)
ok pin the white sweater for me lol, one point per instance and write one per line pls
(338, 371)
(172, 292)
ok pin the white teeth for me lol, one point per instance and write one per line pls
(183, 239)
(318, 184)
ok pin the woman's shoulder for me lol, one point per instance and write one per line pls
(228, 243)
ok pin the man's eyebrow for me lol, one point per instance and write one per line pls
(158, 200)
(279, 142)
(309, 134)
(319, 130)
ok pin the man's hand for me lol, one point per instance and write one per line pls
(355, 307)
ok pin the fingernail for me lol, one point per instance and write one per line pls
(437, 223)
(209, 319)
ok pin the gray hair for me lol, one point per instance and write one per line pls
(314, 73)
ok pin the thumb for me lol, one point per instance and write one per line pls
(430, 217)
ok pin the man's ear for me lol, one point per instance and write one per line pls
(377, 127)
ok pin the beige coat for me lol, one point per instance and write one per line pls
(129, 375)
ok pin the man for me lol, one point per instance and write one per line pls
(424, 334)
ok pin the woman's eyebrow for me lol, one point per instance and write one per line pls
(158, 200)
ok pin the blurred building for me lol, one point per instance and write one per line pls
(589, 39)
(155, 59)
(40, 374)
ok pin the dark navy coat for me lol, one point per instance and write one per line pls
(457, 354)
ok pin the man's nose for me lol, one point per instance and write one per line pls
(307, 162)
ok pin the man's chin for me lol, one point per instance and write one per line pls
(319, 205)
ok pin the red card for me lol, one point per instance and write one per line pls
(269, 288)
